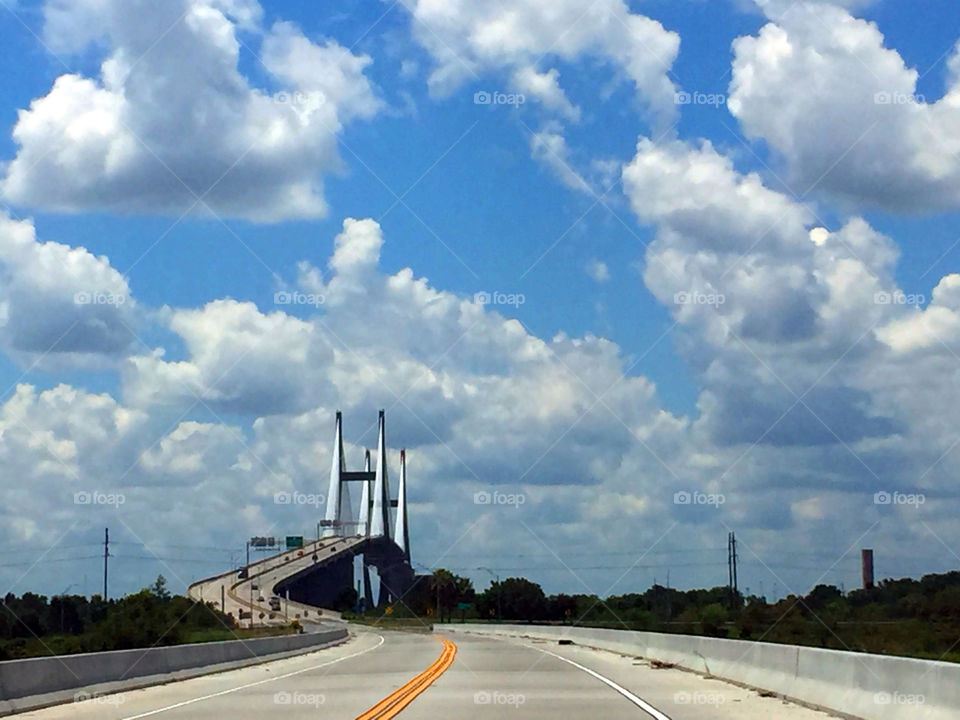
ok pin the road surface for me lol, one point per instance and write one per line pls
(239, 594)
(417, 676)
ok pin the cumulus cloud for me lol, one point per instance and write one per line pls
(819, 385)
(935, 328)
(57, 300)
(467, 39)
(235, 351)
(842, 110)
(773, 306)
(171, 125)
(482, 404)
(816, 387)
(452, 371)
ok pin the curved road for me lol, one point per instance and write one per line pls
(238, 593)
(420, 677)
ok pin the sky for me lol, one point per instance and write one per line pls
(639, 274)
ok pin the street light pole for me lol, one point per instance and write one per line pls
(250, 583)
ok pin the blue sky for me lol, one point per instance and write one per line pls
(463, 197)
(499, 227)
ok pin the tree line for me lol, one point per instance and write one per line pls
(32, 624)
(919, 618)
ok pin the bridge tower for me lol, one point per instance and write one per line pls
(387, 547)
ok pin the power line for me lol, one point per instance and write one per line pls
(567, 568)
(561, 553)
(49, 560)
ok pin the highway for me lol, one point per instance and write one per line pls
(378, 675)
(265, 573)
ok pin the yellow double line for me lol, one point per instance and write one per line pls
(395, 702)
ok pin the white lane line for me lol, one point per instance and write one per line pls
(639, 702)
(253, 684)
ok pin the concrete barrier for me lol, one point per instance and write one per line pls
(855, 685)
(43, 681)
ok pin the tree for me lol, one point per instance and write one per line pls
(821, 596)
(159, 589)
(712, 617)
(562, 607)
(346, 599)
(519, 598)
(447, 590)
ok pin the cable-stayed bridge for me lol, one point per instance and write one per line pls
(311, 577)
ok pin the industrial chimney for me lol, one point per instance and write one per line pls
(866, 566)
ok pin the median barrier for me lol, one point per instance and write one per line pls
(849, 684)
(42, 681)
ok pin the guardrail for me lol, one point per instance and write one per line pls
(293, 561)
(856, 685)
(39, 682)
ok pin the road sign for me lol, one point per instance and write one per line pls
(294, 541)
(464, 606)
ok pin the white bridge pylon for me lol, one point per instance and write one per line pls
(373, 519)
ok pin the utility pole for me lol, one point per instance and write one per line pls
(736, 584)
(732, 567)
(106, 554)
(729, 569)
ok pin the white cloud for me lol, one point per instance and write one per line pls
(235, 351)
(455, 375)
(768, 314)
(545, 87)
(482, 404)
(549, 147)
(598, 271)
(842, 109)
(171, 118)
(467, 39)
(56, 300)
(935, 329)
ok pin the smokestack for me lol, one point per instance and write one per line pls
(866, 565)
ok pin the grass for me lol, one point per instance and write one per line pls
(388, 622)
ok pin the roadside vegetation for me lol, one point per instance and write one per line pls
(906, 617)
(34, 625)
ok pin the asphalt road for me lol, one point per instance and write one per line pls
(478, 678)
(238, 594)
